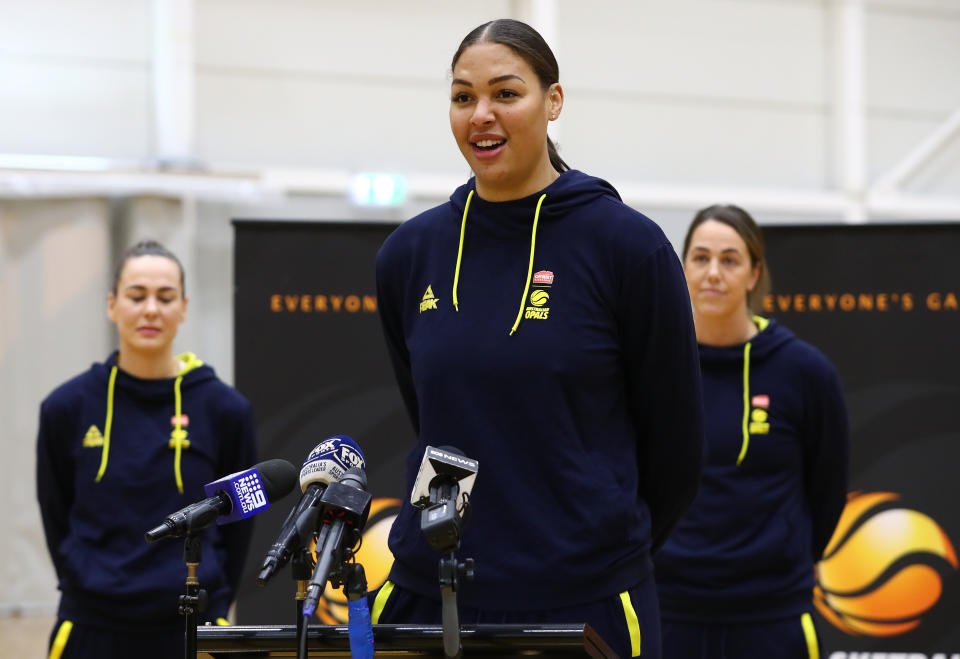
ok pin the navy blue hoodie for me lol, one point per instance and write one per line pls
(108, 470)
(551, 339)
(773, 487)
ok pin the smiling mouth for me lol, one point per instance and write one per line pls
(488, 145)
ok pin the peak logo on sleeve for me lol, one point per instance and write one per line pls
(429, 300)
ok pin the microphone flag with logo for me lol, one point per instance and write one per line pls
(231, 498)
(326, 463)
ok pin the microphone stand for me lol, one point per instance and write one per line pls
(302, 569)
(451, 571)
(195, 601)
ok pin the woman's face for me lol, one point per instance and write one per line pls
(499, 115)
(718, 270)
(148, 306)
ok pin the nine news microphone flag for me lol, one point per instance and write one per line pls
(231, 498)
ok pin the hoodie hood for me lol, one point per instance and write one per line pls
(771, 337)
(192, 372)
(572, 190)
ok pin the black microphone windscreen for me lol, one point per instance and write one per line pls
(356, 474)
(279, 478)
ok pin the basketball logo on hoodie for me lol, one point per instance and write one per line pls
(540, 296)
(759, 415)
(884, 569)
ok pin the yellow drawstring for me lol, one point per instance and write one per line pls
(456, 273)
(746, 402)
(178, 438)
(533, 244)
(105, 453)
(178, 434)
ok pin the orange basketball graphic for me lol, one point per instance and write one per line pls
(881, 571)
(373, 555)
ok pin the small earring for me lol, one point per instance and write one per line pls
(553, 116)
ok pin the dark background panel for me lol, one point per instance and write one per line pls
(311, 374)
(899, 369)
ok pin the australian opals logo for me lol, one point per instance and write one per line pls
(884, 567)
(374, 555)
(540, 296)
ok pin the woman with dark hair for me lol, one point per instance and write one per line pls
(121, 446)
(736, 577)
(543, 328)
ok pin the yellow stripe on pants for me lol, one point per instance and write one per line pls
(633, 625)
(810, 634)
(60, 642)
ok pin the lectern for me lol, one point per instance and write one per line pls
(233, 642)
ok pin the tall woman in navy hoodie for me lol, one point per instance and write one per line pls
(542, 327)
(123, 445)
(736, 577)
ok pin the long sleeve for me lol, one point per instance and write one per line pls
(826, 455)
(55, 475)
(663, 374)
(389, 307)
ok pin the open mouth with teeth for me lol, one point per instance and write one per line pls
(488, 145)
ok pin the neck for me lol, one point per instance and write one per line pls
(509, 190)
(150, 366)
(724, 330)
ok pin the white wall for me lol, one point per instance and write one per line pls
(678, 102)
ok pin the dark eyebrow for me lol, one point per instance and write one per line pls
(491, 81)
(138, 287)
(508, 76)
(725, 250)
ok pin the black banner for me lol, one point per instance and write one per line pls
(310, 357)
(881, 301)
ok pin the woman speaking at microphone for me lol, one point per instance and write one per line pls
(122, 445)
(542, 327)
(736, 576)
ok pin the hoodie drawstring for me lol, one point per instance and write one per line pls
(105, 452)
(746, 403)
(761, 324)
(456, 273)
(533, 244)
(178, 437)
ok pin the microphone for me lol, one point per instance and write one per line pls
(327, 463)
(446, 475)
(346, 506)
(231, 498)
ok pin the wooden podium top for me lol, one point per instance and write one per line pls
(578, 640)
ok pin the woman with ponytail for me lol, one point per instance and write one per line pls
(542, 327)
(736, 577)
(120, 446)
